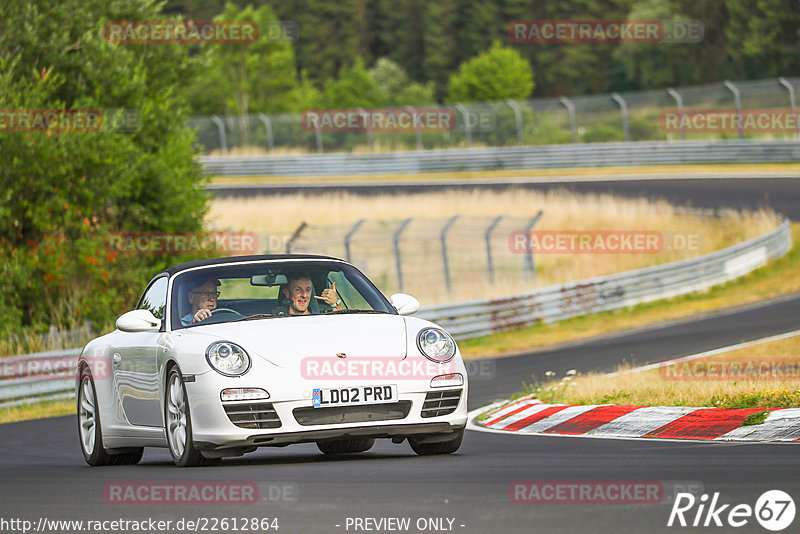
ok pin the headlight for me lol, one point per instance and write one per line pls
(436, 345)
(227, 358)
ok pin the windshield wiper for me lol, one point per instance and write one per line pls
(256, 316)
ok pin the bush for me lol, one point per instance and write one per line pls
(63, 191)
(602, 133)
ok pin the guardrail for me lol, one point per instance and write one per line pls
(41, 376)
(481, 317)
(50, 375)
(511, 158)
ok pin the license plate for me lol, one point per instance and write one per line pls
(353, 395)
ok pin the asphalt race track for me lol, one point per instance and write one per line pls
(43, 474)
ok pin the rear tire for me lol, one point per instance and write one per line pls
(89, 430)
(178, 424)
(346, 446)
(440, 447)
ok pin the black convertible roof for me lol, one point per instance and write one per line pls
(239, 259)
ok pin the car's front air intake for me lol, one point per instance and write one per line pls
(253, 415)
(441, 402)
(352, 414)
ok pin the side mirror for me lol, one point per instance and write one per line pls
(138, 321)
(404, 304)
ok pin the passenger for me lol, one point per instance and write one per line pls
(298, 292)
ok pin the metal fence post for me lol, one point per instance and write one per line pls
(349, 236)
(295, 235)
(367, 126)
(318, 136)
(528, 266)
(783, 81)
(518, 118)
(488, 238)
(573, 121)
(443, 239)
(398, 261)
(737, 98)
(623, 106)
(679, 101)
(467, 128)
(417, 128)
(223, 142)
(268, 125)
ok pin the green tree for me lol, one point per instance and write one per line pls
(332, 34)
(656, 64)
(497, 74)
(764, 37)
(353, 88)
(395, 87)
(63, 191)
(250, 77)
(397, 31)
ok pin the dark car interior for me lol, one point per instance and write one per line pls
(253, 306)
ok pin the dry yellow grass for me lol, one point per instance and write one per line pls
(781, 277)
(768, 377)
(280, 215)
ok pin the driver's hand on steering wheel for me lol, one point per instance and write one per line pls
(201, 314)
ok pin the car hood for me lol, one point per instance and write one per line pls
(286, 341)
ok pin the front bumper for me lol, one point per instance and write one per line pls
(372, 431)
(213, 429)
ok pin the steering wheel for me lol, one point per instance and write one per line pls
(225, 310)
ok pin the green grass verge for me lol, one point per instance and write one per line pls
(37, 411)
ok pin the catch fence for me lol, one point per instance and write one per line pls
(616, 117)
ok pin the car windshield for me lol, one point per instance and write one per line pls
(267, 290)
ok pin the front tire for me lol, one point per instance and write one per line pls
(346, 446)
(89, 430)
(439, 447)
(178, 424)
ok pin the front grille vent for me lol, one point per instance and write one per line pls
(441, 402)
(253, 415)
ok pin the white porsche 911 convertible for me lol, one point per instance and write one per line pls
(223, 356)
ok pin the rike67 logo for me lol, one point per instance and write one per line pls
(774, 510)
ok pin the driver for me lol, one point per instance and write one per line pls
(298, 292)
(203, 298)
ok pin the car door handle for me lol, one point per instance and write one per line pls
(116, 360)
